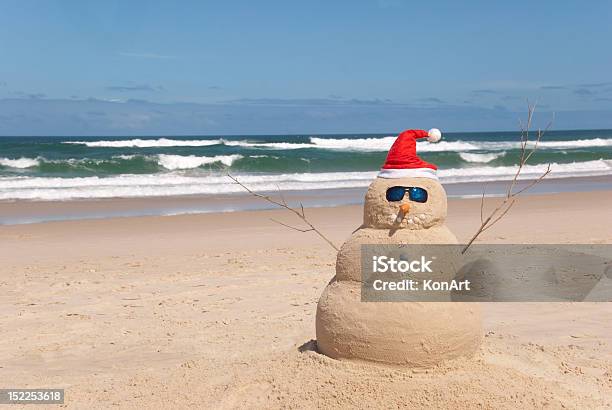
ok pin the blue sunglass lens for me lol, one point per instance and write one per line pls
(417, 194)
(395, 193)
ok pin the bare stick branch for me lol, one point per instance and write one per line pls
(541, 134)
(283, 204)
(524, 141)
(267, 198)
(504, 212)
(535, 181)
(484, 188)
(482, 227)
(280, 193)
(510, 198)
(292, 227)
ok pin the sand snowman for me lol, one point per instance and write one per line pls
(404, 204)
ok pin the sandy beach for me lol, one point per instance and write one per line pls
(217, 311)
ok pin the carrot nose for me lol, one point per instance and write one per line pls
(404, 208)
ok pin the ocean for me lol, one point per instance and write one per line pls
(65, 168)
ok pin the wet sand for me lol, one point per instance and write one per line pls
(20, 212)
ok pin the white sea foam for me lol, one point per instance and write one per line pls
(191, 161)
(354, 144)
(357, 144)
(565, 170)
(346, 144)
(268, 145)
(480, 158)
(20, 162)
(177, 183)
(383, 144)
(146, 143)
(572, 144)
(595, 142)
(171, 162)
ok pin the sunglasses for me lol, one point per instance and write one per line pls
(416, 194)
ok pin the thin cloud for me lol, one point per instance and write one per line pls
(376, 101)
(432, 100)
(31, 96)
(147, 55)
(110, 100)
(578, 86)
(137, 87)
(309, 101)
(594, 85)
(583, 92)
(484, 92)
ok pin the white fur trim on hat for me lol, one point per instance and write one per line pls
(408, 173)
(434, 135)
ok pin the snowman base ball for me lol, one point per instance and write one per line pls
(398, 333)
(415, 334)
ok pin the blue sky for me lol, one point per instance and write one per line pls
(203, 67)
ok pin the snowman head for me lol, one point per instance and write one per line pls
(406, 193)
(404, 203)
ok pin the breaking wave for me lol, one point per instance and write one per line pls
(480, 158)
(175, 183)
(191, 161)
(19, 163)
(145, 143)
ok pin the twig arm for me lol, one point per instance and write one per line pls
(283, 204)
(510, 198)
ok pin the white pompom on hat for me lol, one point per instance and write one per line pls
(434, 135)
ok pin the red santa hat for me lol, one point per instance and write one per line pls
(403, 161)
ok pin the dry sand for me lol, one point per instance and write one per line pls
(217, 311)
